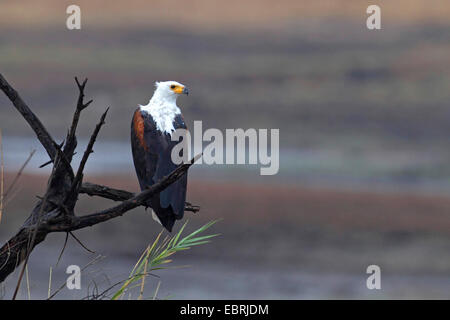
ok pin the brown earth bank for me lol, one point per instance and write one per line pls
(258, 204)
(276, 241)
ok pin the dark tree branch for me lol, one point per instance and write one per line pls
(64, 158)
(89, 150)
(65, 161)
(71, 140)
(54, 212)
(92, 189)
(74, 190)
(80, 243)
(15, 250)
(63, 249)
(41, 132)
(33, 235)
(136, 201)
(50, 161)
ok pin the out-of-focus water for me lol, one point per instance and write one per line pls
(341, 168)
(201, 279)
(314, 268)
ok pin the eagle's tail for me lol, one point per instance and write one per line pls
(164, 216)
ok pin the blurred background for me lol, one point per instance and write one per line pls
(364, 129)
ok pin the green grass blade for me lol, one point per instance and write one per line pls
(155, 256)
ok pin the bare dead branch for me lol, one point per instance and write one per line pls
(41, 132)
(89, 150)
(54, 212)
(92, 189)
(33, 235)
(138, 200)
(66, 160)
(63, 248)
(19, 173)
(71, 140)
(74, 190)
(81, 243)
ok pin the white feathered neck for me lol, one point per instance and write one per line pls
(163, 109)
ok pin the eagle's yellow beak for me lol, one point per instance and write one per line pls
(181, 90)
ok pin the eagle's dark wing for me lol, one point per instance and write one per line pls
(151, 150)
(175, 194)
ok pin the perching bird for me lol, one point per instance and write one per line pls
(151, 130)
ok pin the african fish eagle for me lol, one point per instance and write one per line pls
(151, 145)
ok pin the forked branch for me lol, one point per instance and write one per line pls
(41, 132)
(55, 211)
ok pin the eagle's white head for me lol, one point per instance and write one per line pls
(167, 92)
(163, 105)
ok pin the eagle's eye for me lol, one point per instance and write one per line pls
(172, 86)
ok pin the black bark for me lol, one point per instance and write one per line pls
(55, 211)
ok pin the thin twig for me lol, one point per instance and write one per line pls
(59, 146)
(89, 149)
(19, 173)
(35, 231)
(71, 140)
(63, 158)
(93, 261)
(49, 283)
(81, 243)
(28, 283)
(63, 248)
